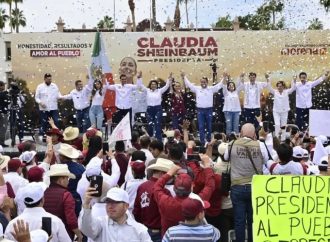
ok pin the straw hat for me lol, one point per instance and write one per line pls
(60, 170)
(4, 161)
(70, 133)
(161, 165)
(68, 151)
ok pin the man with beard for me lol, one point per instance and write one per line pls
(46, 96)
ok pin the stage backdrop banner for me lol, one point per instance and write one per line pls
(319, 122)
(291, 208)
(156, 54)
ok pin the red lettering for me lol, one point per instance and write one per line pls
(141, 43)
(210, 42)
(166, 43)
(152, 43)
(192, 42)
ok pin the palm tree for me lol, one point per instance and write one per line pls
(3, 18)
(177, 15)
(315, 24)
(186, 5)
(9, 2)
(17, 1)
(105, 23)
(131, 5)
(274, 6)
(17, 19)
(326, 4)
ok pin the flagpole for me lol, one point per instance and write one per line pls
(196, 16)
(151, 16)
(114, 15)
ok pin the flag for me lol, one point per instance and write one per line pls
(100, 65)
(122, 131)
(319, 151)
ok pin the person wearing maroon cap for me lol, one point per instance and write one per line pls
(131, 186)
(145, 207)
(14, 174)
(56, 140)
(35, 174)
(168, 205)
(193, 228)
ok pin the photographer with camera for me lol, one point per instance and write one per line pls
(17, 100)
(4, 113)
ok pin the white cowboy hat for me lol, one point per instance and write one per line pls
(70, 133)
(68, 151)
(4, 161)
(161, 165)
(60, 170)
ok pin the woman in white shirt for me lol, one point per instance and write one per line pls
(96, 111)
(231, 107)
(154, 109)
(281, 105)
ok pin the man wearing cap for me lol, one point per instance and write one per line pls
(71, 137)
(169, 205)
(145, 207)
(46, 96)
(193, 228)
(81, 102)
(14, 174)
(117, 225)
(33, 213)
(67, 155)
(59, 201)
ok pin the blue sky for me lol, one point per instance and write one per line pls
(41, 15)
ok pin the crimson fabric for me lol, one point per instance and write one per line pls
(178, 104)
(145, 207)
(207, 185)
(138, 167)
(76, 143)
(35, 174)
(169, 207)
(14, 164)
(183, 183)
(10, 190)
(59, 202)
(56, 132)
(191, 208)
(122, 161)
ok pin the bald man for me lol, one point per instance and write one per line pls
(242, 171)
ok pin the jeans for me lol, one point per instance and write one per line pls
(44, 116)
(280, 119)
(232, 122)
(177, 119)
(250, 116)
(242, 203)
(204, 119)
(82, 117)
(154, 118)
(155, 236)
(3, 127)
(302, 118)
(96, 116)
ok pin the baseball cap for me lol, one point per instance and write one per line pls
(305, 153)
(14, 164)
(39, 235)
(138, 167)
(27, 156)
(116, 194)
(93, 168)
(190, 208)
(33, 192)
(35, 174)
(298, 152)
(182, 184)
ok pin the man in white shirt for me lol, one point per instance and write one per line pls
(304, 98)
(14, 174)
(204, 104)
(123, 92)
(252, 91)
(46, 96)
(34, 212)
(117, 225)
(81, 102)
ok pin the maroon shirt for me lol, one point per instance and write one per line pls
(145, 207)
(178, 104)
(122, 161)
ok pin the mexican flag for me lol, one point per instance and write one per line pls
(100, 66)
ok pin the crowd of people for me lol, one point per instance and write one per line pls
(162, 185)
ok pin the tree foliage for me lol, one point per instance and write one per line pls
(17, 19)
(315, 24)
(326, 4)
(3, 18)
(106, 23)
(224, 22)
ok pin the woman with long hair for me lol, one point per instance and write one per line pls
(154, 109)
(232, 106)
(178, 105)
(96, 111)
(94, 147)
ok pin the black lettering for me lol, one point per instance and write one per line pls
(262, 202)
(317, 229)
(295, 205)
(295, 182)
(294, 222)
(261, 228)
(268, 187)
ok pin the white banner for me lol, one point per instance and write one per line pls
(122, 131)
(319, 122)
